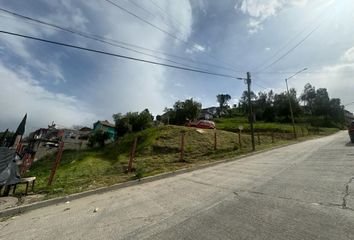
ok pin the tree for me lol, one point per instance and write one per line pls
(336, 112)
(189, 110)
(223, 100)
(260, 105)
(132, 121)
(282, 108)
(308, 96)
(244, 100)
(321, 102)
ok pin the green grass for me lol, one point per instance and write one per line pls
(232, 124)
(157, 152)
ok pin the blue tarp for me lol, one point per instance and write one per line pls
(9, 172)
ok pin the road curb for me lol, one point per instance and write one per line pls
(55, 201)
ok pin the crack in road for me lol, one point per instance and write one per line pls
(346, 194)
(289, 198)
(237, 193)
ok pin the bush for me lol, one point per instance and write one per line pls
(99, 137)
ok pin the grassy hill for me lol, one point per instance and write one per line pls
(232, 124)
(157, 152)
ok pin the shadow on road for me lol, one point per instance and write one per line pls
(349, 144)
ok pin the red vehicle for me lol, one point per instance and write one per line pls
(351, 131)
(202, 124)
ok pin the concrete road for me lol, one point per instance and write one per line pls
(303, 191)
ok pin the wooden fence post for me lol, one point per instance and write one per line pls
(56, 163)
(239, 138)
(215, 141)
(132, 155)
(181, 156)
(259, 138)
(272, 136)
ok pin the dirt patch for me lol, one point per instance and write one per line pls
(8, 202)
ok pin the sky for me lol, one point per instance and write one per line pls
(271, 39)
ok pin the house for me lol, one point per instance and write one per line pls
(107, 127)
(84, 133)
(205, 114)
(209, 113)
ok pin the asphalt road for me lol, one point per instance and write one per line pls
(302, 191)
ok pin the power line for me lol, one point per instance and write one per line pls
(145, 21)
(145, 10)
(291, 49)
(109, 41)
(291, 40)
(163, 30)
(166, 14)
(259, 85)
(89, 37)
(198, 35)
(117, 55)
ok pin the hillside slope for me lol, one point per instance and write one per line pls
(158, 151)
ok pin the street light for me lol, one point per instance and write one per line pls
(291, 109)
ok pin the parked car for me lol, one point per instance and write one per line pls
(202, 124)
(351, 131)
(51, 145)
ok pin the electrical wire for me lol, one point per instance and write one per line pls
(164, 31)
(112, 42)
(289, 42)
(290, 50)
(166, 14)
(199, 36)
(116, 55)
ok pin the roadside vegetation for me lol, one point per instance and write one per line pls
(158, 151)
(159, 142)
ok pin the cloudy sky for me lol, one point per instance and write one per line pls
(273, 39)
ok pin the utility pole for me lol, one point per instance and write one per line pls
(291, 109)
(251, 117)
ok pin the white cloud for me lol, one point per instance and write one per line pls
(22, 94)
(348, 56)
(115, 85)
(195, 49)
(23, 48)
(260, 10)
(130, 86)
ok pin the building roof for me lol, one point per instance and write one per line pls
(106, 123)
(85, 129)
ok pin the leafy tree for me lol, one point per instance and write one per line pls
(321, 102)
(281, 105)
(132, 121)
(243, 104)
(183, 111)
(223, 100)
(260, 105)
(308, 97)
(336, 111)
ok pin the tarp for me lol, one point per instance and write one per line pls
(9, 172)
